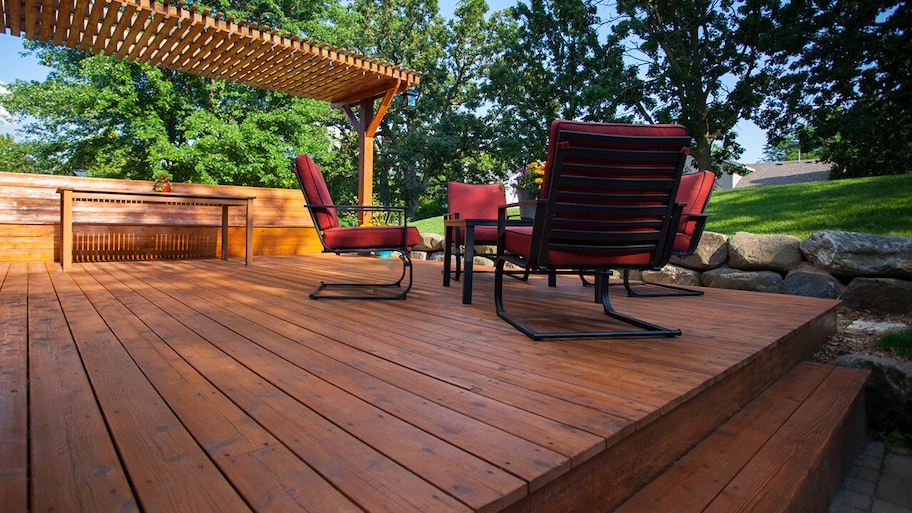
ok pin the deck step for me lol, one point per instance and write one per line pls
(788, 450)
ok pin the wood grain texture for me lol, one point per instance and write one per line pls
(210, 385)
(30, 222)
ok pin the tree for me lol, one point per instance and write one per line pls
(421, 148)
(16, 157)
(554, 65)
(704, 66)
(789, 148)
(849, 77)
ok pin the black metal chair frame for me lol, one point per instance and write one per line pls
(391, 215)
(673, 290)
(655, 237)
(464, 259)
(404, 256)
(637, 289)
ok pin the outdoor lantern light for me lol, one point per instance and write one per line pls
(411, 98)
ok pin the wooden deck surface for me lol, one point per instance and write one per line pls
(213, 386)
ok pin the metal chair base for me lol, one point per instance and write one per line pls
(406, 269)
(647, 329)
(676, 290)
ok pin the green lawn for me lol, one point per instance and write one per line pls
(878, 205)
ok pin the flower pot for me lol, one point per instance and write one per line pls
(526, 212)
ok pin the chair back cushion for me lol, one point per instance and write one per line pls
(608, 196)
(475, 201)
(310, 178)
(694, 192)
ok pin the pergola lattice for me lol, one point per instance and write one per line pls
(194, 40)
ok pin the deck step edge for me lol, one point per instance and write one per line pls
(787, 450)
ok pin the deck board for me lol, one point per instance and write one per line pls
(14, 419)
(213, 386)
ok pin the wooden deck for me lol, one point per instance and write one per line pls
(213, 386)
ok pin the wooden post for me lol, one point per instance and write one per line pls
(248, 233)
(224, 232)
(66, 229)
(366, 157)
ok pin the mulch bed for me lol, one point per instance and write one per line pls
(847, 341)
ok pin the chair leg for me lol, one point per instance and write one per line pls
(632, 292)
(406, 268)
(675, 290)
(647, 329)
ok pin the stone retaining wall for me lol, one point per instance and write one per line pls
(870, 272)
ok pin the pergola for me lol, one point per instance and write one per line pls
(196, 41)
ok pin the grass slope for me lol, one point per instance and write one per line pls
(877, 205)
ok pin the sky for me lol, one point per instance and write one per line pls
(13, 66)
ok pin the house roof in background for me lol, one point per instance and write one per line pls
(781, 173)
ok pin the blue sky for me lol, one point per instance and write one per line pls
(13, 66)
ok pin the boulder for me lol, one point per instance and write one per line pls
(673, 275)
(888, 393)
(750, 251)
(430, 242)
(482, 261)
(711, 253)
(807, 280)
(728, 278)
(880, 295)
(485, 250)
(859, 254)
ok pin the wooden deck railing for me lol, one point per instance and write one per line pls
(30, 221)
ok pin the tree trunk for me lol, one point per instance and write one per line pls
(703, 151)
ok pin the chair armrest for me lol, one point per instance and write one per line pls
(394, 215)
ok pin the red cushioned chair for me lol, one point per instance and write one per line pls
(694, 192)
(471, 221)
(608, 202)
(355, 239)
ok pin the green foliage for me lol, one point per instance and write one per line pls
(897, 441)
(878, 205)
(790, 148)
(900, 342)
(850, 77)
(704, 66)
(441, 139)
(16, 157)
(553, 65)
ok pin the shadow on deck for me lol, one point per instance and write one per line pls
(213, 386)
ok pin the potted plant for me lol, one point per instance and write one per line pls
(162, 181)
(527, 184)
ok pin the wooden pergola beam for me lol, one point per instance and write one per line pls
(193, 40)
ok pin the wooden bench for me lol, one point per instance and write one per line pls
(109, 198)
(788, 450)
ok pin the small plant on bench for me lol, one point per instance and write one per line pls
(162, 181)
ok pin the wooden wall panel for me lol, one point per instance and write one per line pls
(30, 216)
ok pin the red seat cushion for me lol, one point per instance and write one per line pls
(485, 235)
(518, 240)
(369, 237)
